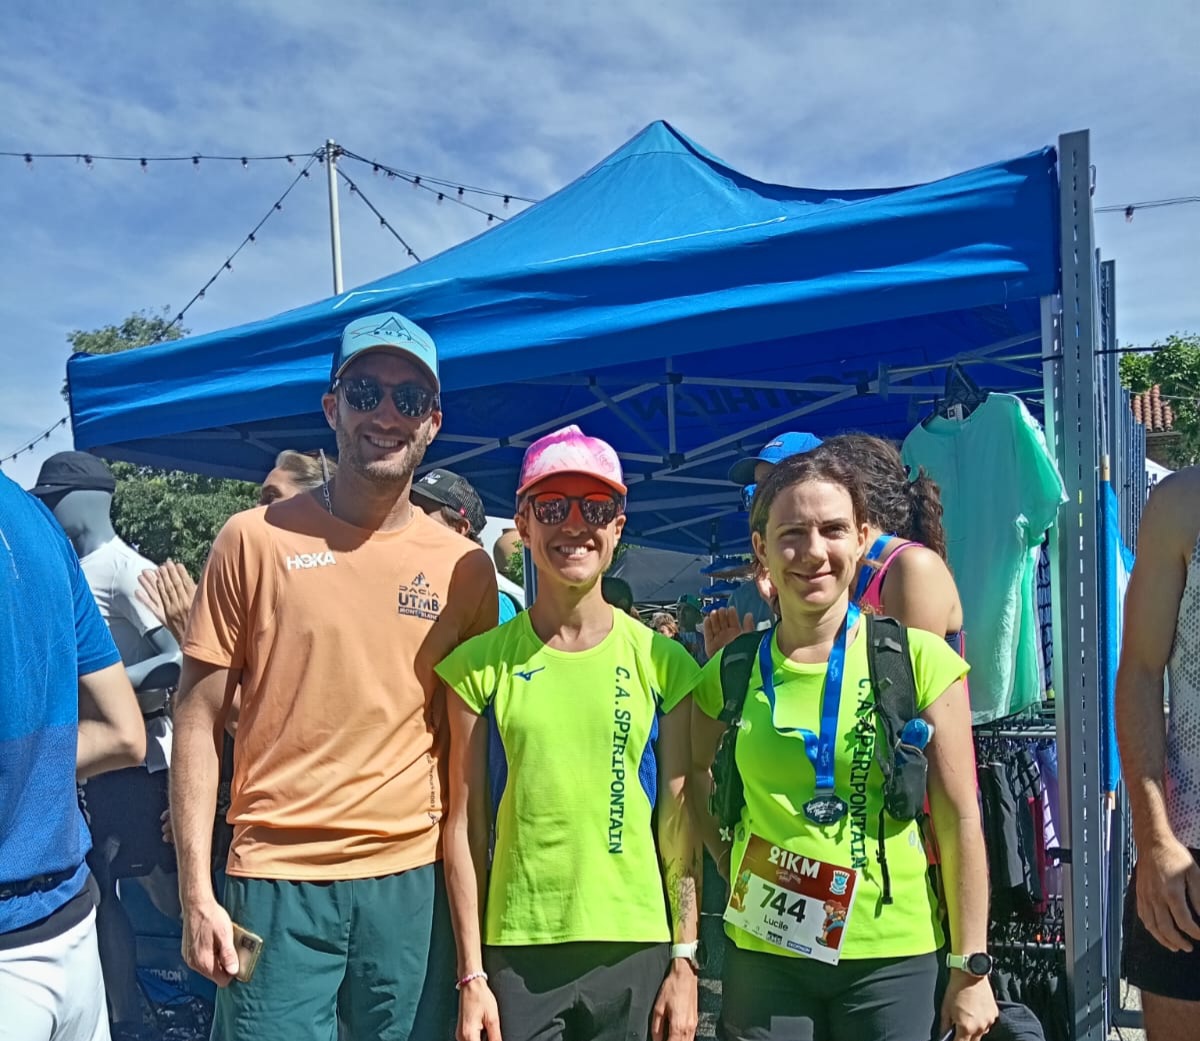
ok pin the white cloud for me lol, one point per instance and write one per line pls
(523, 99)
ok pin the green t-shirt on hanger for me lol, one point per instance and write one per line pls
(1001, 492)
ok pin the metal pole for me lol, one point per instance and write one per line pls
(335, 229)
(1077, 666)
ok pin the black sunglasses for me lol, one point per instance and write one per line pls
(598, 509)
(365, 394)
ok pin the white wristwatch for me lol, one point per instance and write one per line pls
(690, 951)
(978, 964)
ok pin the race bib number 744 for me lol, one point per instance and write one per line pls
(792, 902)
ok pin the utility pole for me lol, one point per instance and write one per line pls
(335, 230)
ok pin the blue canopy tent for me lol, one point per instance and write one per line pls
(665, 301)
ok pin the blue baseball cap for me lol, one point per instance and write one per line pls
(386, 332)
(774, 451)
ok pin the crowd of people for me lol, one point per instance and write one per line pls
(388, 799)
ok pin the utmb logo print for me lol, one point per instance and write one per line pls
(418, 599)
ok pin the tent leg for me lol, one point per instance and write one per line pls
(1071, 415)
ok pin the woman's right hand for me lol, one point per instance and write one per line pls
(478, 1013)
(722, 627)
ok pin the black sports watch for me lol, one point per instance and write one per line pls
(978, 964)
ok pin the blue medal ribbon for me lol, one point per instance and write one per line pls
(819, 748)
(867, 572)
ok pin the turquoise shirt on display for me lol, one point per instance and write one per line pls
(1001, 491)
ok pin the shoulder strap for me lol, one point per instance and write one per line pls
(892, 681)
(737, 662)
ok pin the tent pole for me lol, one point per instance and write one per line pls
(335, 228)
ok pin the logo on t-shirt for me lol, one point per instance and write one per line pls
(307, 560)
(417, 599)
(527, 676)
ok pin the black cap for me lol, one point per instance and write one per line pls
(448, 489)
(73, 472)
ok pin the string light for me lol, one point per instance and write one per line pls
(383, 222)
(30, 445)
(88, 158)
(227, 265)
(1153, 204)
(276, 206)
(439, 188)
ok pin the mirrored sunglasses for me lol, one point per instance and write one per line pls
(748, 497)
(366, 394)
(597, 509)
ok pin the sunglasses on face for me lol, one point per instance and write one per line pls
(598, 509)
(366, 394)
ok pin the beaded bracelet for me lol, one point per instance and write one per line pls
(469, 977)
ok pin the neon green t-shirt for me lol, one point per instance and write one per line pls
(575, 855)
(779, 780)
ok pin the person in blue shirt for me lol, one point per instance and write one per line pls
(67, 712)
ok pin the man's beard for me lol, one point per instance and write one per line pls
(392, 472)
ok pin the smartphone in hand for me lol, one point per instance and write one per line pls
(248, 946)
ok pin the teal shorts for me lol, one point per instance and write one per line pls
(375, 953)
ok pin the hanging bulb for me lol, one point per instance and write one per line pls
(416, 181)
(251, 237)
(279, 206)
(506, 201)
(228, 266)
(491, 217)
(144, 165)
(460, 192)
(245, 162)
(87, 161)
(440, 196)
(1128, 214)
(28, 160)
(195, 160)
(375, 168)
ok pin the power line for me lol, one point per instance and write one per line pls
(356, 190)
(443, 190)
(276, 206)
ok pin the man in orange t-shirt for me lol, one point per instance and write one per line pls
(330, 611)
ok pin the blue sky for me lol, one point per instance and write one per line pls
(523, 98)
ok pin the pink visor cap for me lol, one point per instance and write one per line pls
(570, 451)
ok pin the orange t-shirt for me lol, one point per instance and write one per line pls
(336, 630)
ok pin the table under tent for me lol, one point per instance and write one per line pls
(686, 312)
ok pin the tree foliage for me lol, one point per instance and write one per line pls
(1174, 365)
(167, 513)
(164, 513)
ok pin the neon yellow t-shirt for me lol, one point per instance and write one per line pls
(575, 855)
(779, 780)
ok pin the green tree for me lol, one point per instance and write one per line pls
(168, 513)
(1174, 365)
(165, 513)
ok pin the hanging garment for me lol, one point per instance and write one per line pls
(1002, 836)
(1001, 493)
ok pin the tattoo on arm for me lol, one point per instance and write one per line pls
(681, 890)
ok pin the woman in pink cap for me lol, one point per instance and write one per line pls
(569, 749)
